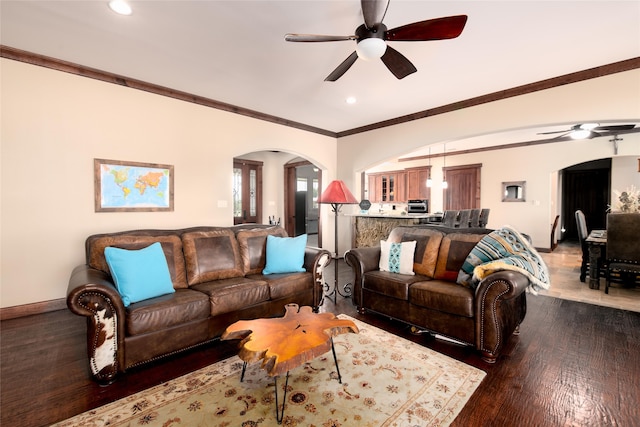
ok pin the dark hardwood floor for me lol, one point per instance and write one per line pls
(573, 364)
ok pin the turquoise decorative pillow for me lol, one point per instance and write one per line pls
(285, 254)
(139, 274)
(397, 257)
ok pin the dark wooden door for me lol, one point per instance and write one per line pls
(586, 187)
(247, 191)
(463, 190)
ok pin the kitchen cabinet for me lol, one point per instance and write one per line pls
(387, 187)
(417, 183)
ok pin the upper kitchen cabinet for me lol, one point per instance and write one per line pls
(388, 187)
(417, 183)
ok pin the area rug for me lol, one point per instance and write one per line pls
(386, 381)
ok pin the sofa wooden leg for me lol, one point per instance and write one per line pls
(489, 357)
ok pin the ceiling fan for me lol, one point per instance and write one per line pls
(373, 35)
(589, 130)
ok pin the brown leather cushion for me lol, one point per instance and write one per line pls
(228, 295)
(443, 296)
(211, 255)
(253, 247)
(171, 245)
(390, 284)
(427, 244)
(286, 284)
(453, 251)
(183, 306)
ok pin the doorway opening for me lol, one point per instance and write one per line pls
(586, 186)
(303, 182)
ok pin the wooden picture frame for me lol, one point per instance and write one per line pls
(123, 186)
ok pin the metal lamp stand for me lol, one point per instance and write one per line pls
(336, 289)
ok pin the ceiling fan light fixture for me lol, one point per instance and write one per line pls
(589, 126)
(371, 48)
(580, 134)
(121, 7)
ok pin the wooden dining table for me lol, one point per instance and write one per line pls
(597, 244)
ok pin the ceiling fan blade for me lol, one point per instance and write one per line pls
(449, 27)
(342, 68)
(373, 12)
(555, 131)
(316, 38)
(397, 63)
(614, 128)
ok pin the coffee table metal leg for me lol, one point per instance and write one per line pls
(333, 350)
(244, 368)
(279, 413)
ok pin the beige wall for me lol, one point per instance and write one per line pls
(615, 97)
(54, 124)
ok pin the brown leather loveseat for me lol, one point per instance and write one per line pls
(431, 299)
(216, 273)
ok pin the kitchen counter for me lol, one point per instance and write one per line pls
(370, 228)
(397, 216)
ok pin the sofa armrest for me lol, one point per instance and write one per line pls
(315, 260)
(92, 294)
(500, 307)
(361, 260)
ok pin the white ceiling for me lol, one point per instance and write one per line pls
(234, 51)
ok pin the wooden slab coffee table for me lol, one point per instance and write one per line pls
(284, 343)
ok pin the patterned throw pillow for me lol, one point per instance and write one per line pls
(397, 257)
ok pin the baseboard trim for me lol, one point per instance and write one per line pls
(14, 312)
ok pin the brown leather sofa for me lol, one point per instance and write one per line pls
(431, 299)
(216, 274)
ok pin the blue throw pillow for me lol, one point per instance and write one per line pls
(139, 274)
(285, 254)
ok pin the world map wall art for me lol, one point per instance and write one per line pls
(132, 186)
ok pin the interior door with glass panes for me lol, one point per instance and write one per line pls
(247, 191)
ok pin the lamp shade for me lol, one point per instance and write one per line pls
(337, 192)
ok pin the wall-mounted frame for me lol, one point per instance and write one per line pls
(122, 186)
(514, 191)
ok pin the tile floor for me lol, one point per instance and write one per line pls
(564, 269)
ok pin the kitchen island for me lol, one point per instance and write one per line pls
(369, 229)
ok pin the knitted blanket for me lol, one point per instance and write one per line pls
(504, 249)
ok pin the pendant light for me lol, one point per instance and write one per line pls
(429, 180)
(445, 184)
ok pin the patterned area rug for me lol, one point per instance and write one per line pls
(386, 381)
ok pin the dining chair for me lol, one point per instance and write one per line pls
(554, 226)
(449, 218)
(583, 233)
(463, 218)
(623, 248)
(484, 217)
(475, 218)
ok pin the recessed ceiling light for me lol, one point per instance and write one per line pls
(351, 100)
(120, 7)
